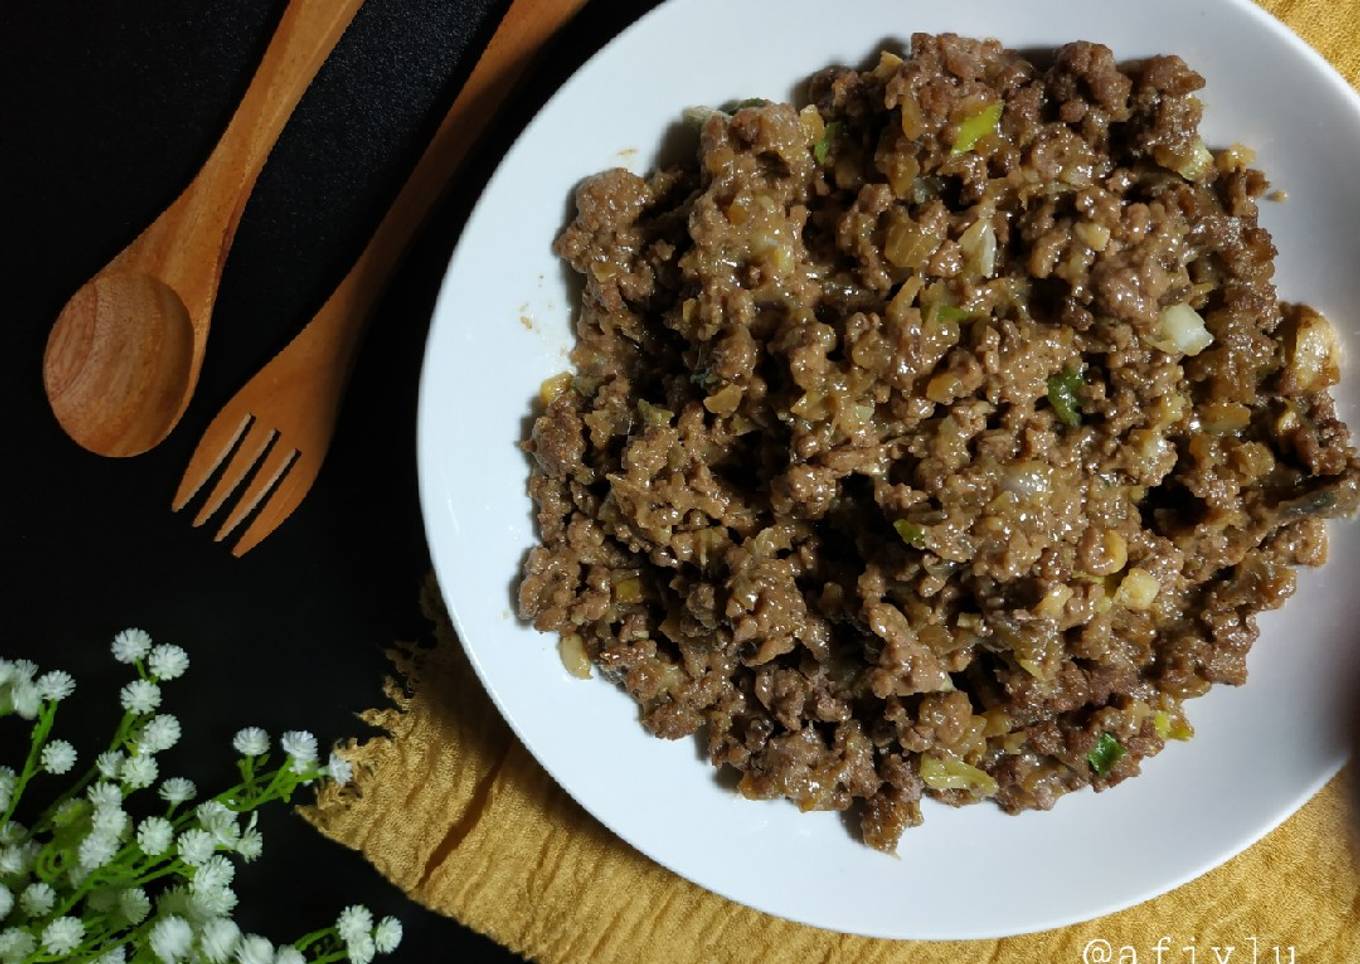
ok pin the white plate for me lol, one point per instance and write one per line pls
(1261, 750)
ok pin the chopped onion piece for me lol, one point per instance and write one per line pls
(1137, 589)
(978, 244)
(572, 649)
(1191, 163)
(1181, 331)
(1027, 479)
(1312, 353)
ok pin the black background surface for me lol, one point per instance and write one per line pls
(106, 111)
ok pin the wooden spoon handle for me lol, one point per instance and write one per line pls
(203, 220)
(522, 32)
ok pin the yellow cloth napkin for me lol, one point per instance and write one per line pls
(451, 808)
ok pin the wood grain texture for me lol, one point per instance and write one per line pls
(125, 353)
(293, 402)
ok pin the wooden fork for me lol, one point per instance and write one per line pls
(284, 417)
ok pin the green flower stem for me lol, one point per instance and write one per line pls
(340, 955)
(280, 785)
(307, 940)
(131, 938)
(119, 741)
(273, 788)
(49, 863)
(174, 867)
(114, 871)
(46, 716)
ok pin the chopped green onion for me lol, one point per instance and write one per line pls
(1106, 754)
(822, 149)
(951, 774)
(951, 313)
(1171, 729)
(977, 126)
(912, 534)
(1062, 395)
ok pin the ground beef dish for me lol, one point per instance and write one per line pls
(940, 438)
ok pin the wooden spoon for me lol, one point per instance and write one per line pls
(283, 418)
(124, 355)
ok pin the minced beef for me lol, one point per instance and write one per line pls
(941, 437)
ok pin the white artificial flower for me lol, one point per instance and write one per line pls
(255, 949)
(26, 698)
(251, 741)
(56, 685)
(361, 950)
(140, 696)
(218, 938)
(25, 670)
(178, 790)
(171, 939)
(105, 794)
(168, 662)
(154, 836)
(220, 821)
(289, 955)
(16, 944)
(131, 645)
(13, 831)
(17, 858)
(140, 771)
(63, 935)
(214, 873)
(109, 820)
(58, 757)
(109, 764)
(37, 899)
(6, 900)
(160, 734)
(353, 921)
(301, 746)
(173, 900)
(134, 905)
(96, 850)
(196, 846)
(69, 811)
(339, 769)
(219, 902)
(251, 844)
(116, 956)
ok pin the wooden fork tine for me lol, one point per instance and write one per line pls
(247, 454)
(212, 448)
(286, 497)
(271, 470)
